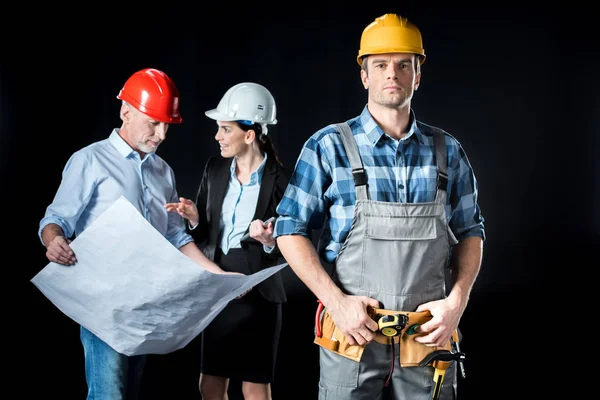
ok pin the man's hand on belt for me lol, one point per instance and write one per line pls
(439, 328)
(350, 316)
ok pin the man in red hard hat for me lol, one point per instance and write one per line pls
(124, 164)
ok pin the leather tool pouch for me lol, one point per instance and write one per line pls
(411, 352)
(333, 339)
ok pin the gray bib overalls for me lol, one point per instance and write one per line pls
(396, 253)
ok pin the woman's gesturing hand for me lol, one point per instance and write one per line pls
(186, 208)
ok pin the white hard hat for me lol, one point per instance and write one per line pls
(246, 101)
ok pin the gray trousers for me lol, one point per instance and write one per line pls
(344, 379)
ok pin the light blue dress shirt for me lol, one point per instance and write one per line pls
(97, 175)
(239, 206)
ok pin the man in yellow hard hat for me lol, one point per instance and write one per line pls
(397, 203)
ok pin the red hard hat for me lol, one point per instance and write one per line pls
(153, 93)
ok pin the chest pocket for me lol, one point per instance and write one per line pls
(401, 228)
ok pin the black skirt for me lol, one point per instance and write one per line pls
(241, 342)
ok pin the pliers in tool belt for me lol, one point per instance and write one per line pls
(440, 360)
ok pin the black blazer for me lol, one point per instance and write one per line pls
(209, 201)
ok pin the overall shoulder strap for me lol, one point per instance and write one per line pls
(358, 172)
(439, 142)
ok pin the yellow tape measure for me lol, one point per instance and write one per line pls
(392, 325)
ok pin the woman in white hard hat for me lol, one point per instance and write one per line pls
(238, 192)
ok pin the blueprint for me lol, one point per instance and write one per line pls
(134, 289)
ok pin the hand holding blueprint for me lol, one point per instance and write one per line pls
(134, 290)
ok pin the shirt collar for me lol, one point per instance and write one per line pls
(121, 145)
(256, 176)
(374, 132)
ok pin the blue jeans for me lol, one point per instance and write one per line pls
(110, 375)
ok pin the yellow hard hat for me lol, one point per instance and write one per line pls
(391, 33)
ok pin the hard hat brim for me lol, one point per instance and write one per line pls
(217, 116)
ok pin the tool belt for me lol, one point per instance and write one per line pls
(411, 353)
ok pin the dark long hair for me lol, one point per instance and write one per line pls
(264, 141)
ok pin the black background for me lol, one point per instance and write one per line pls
(516, 85)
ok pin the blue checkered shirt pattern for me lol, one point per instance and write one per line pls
(402, 171)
